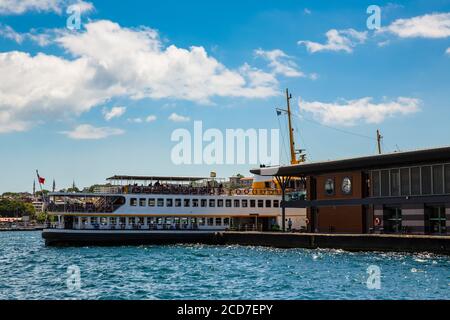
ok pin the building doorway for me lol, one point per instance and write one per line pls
(435, 220)
(392, 220)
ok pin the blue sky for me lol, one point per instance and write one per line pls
(225, 63)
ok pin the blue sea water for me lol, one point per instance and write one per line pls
(29, 270)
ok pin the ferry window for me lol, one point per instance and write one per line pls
(426, 180)
(218, 221)
(244, 203)
(201, 221)
(276, 203)
(210, 221)
(212, 203)
(260, 203)
(122, 220)
(404, 181)
(268, 203)
(151, 202)
(195, 203)
(395, 183)
(160, 202)
(203, 203)
(375, 183)
(142, 202)
(226, 221)
(220, 203)
(228, 203)
(187, 202)
(140, 220)
(385, 183)
(159, 220)
(447, 178)
(169, 220)
(177, 202)
(131, 220)
(169, 202)
(252, 203)
(415, 181)
(133, 202)
(236, 203)
(176, 220)
(103, 221)
(112, 221)
(438, 180)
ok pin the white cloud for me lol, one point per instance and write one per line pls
(42, 39)
(135, 120)
(88, 132)
(16, 7)
(109, 61)
(115, 112)
(448, 51)
(9, 33)
(280, 62)
(337, 40)
(307, 11)
(178, 118)
(359, 111)
(150, 118)
(435, 25)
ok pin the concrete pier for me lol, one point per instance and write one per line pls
(349, 242)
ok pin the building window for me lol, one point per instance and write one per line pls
(385, 183)
(392, 220)
(415, 181)
(329, 187)
(212, 203)
(151, 202)
(404, 181)
(268, 203)
(142, 202)
(244, 203)
(169, 202)
(236, 203)
(395, 182)
(447, 178)
(426, 180)
(375, 183)
(252, 203)
(260, 203)
(276, 203)
(438, 179)
(133, 202)
(436, 219)
(160, 202)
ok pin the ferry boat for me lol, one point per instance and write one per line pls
(154, 209)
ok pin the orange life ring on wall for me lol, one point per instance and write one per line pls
(238, 191)
(377, 221)
(246, 191)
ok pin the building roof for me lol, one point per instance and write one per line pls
(407, 158)
(155, 178)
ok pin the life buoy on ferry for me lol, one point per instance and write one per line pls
(246, 191)
(307, 221)
(377, 221)
(238, 191)
(254, 192)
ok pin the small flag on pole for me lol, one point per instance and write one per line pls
(40, 179)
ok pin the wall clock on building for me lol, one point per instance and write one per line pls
(347, 185)
(329, 186)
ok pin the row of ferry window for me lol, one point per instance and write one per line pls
(203, 203)
(157, 220)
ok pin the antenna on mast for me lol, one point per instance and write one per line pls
(379, 137)
(294, 152)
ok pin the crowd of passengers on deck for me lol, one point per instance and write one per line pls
(159, 188)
